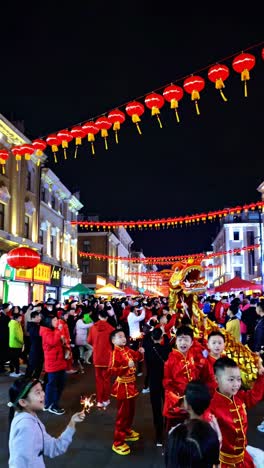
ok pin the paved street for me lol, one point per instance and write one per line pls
(91, 446)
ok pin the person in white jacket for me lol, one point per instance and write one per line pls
(136, 315)
(81, 332)
(28, 440)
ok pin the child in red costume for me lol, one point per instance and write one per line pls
(183, 365)
(123, 365)
(216, 349)
(229, 405)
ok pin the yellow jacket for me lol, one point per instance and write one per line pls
(233, 327)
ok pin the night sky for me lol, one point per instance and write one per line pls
(67, 67)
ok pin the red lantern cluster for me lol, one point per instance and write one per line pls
(23, 258)
(4, 155)
(193, 85)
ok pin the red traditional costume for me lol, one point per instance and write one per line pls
(124, 390)
(98, 338)
(179, 370)
(232, 419)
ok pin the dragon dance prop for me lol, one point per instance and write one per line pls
(185, 284)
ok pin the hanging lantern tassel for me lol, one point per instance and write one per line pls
(64, 145)
(174, 105)
(78, 141)
(116, 128)
(38, 153)
(219, 84)
(195, 97)
(135, 120)
(104, 134)
(18, 158)
(245, 77)
(2, 162)
(155, 111)
(91, 139)
(54, 149)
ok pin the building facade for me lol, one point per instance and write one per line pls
(36, 215)
(97, 273)
(238, 231)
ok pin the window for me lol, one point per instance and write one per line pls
(53, 201)
(28, 181)
(238, 271)
(52, 244)
(61, 207)
(41, 236)
(85, 266)
(26, 227)
(2, 216)
(43, 193)
(236, 235)
(86, 246)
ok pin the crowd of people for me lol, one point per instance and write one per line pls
(198, 405)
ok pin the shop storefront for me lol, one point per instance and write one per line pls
(52, 291)
(7, 274)
(69, 279)
(19, 289)
(41, 280)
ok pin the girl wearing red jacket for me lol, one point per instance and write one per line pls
(53, 342)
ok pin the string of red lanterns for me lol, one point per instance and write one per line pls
(169, 222)
(165, 260)
(193, 84)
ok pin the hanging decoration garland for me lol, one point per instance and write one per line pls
(165, 260)
(168, 222)
(193, 84)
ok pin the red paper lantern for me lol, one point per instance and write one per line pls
(262, 53)
(4, 155)
(78, 133)
(27, 150)
(90, 130)
(23, 257)
(154, 102)
(193, 85)
(242, 64)
(65, 136)
(135, 109)
(54, 141)
(218, 74)
(39, 146)
(103, 123)
(173, 94)
(16, 150)
(117, 117)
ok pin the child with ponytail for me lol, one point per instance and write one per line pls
(28, 440)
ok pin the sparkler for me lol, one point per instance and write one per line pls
(88, 402)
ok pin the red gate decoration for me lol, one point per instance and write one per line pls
(78, 133)
(16, 150)
(218, 74)
(154, 102)
(135, 109)
(39, 146)
(193, 85)
(90, 130)
(4, 155)
(173, 94)
(103, 123)
(65, 136)
(116, 117)
(54, 141)
(23, 257)
(242, 64)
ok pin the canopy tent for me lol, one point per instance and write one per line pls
(131, 292)
(78, 289)
(237, 284)
(109, 290)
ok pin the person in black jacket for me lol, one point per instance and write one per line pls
(259, 330)
(36, 357)
(156, 354)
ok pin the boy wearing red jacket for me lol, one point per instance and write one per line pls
(229, 405)
(98, 338)
(123, 365)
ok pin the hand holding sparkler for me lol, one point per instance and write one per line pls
(76, 418)
(88, 402)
